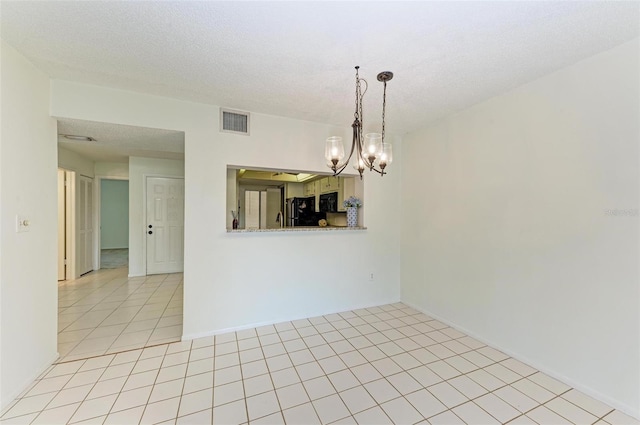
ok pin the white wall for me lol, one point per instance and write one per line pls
(506, 231)
(139, 170)
(73, 161)
(234, 280)
(114, 214)
(112, 169)
(28, 170)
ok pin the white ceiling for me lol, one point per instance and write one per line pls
(116, 143)
(296, 59)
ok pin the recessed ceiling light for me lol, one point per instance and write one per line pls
(79, 138)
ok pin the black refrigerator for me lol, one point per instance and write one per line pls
(302, 212)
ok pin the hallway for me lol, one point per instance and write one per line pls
(106, 312)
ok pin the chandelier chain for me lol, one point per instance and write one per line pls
(361, 113)
(384, 105)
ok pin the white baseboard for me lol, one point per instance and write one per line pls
(188, 337)
(629, 410)
(7, 399)
(136, 275)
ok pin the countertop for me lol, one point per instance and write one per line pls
(298, 229)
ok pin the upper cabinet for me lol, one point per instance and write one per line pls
(310, 189)
(329, 184)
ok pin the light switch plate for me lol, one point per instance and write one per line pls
(22, 224)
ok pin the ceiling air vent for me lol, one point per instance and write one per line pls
(234, 121)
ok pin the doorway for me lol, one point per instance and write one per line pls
(115, 310)
(114, 223)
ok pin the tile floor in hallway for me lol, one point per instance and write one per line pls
(114, 258)
(106, 312)
(381, 365)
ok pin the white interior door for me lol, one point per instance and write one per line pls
(62, 246)
(165, 225)
(84, 255)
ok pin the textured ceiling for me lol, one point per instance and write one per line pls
(296, 59)
(115, 143)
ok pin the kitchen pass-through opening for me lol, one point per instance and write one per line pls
(259, 198)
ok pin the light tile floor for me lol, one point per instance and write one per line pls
(105, 312)
(114, 258)
(381, 365)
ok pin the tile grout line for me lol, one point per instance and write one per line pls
(158, 286)
(184, 382)
(327, 342)
(95, 304)
(313, 406)
(244, 388)
(85, 397)
(338, 324)
(98, 302)
(163, 310)
(124, 385)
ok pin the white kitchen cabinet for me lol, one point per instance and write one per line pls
(330, 184)
(310, 189)
(334, 183)
(294, 190)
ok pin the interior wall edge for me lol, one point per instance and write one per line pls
(629, 410)
(28, 383)
(196, 335)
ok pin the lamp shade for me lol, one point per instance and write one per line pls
(334, 150)
(386, 155)
(372, 145)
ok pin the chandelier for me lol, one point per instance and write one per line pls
(372, 151)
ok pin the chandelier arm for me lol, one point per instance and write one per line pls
(340, 169)
(357, 142)
(366, 87)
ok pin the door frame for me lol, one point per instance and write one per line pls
(70, 223)
(97, 203)
(144, 212)
(92, 220)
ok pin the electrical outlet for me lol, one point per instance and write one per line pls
(22, 224)
(371, 277)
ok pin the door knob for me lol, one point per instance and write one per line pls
(150, 232)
